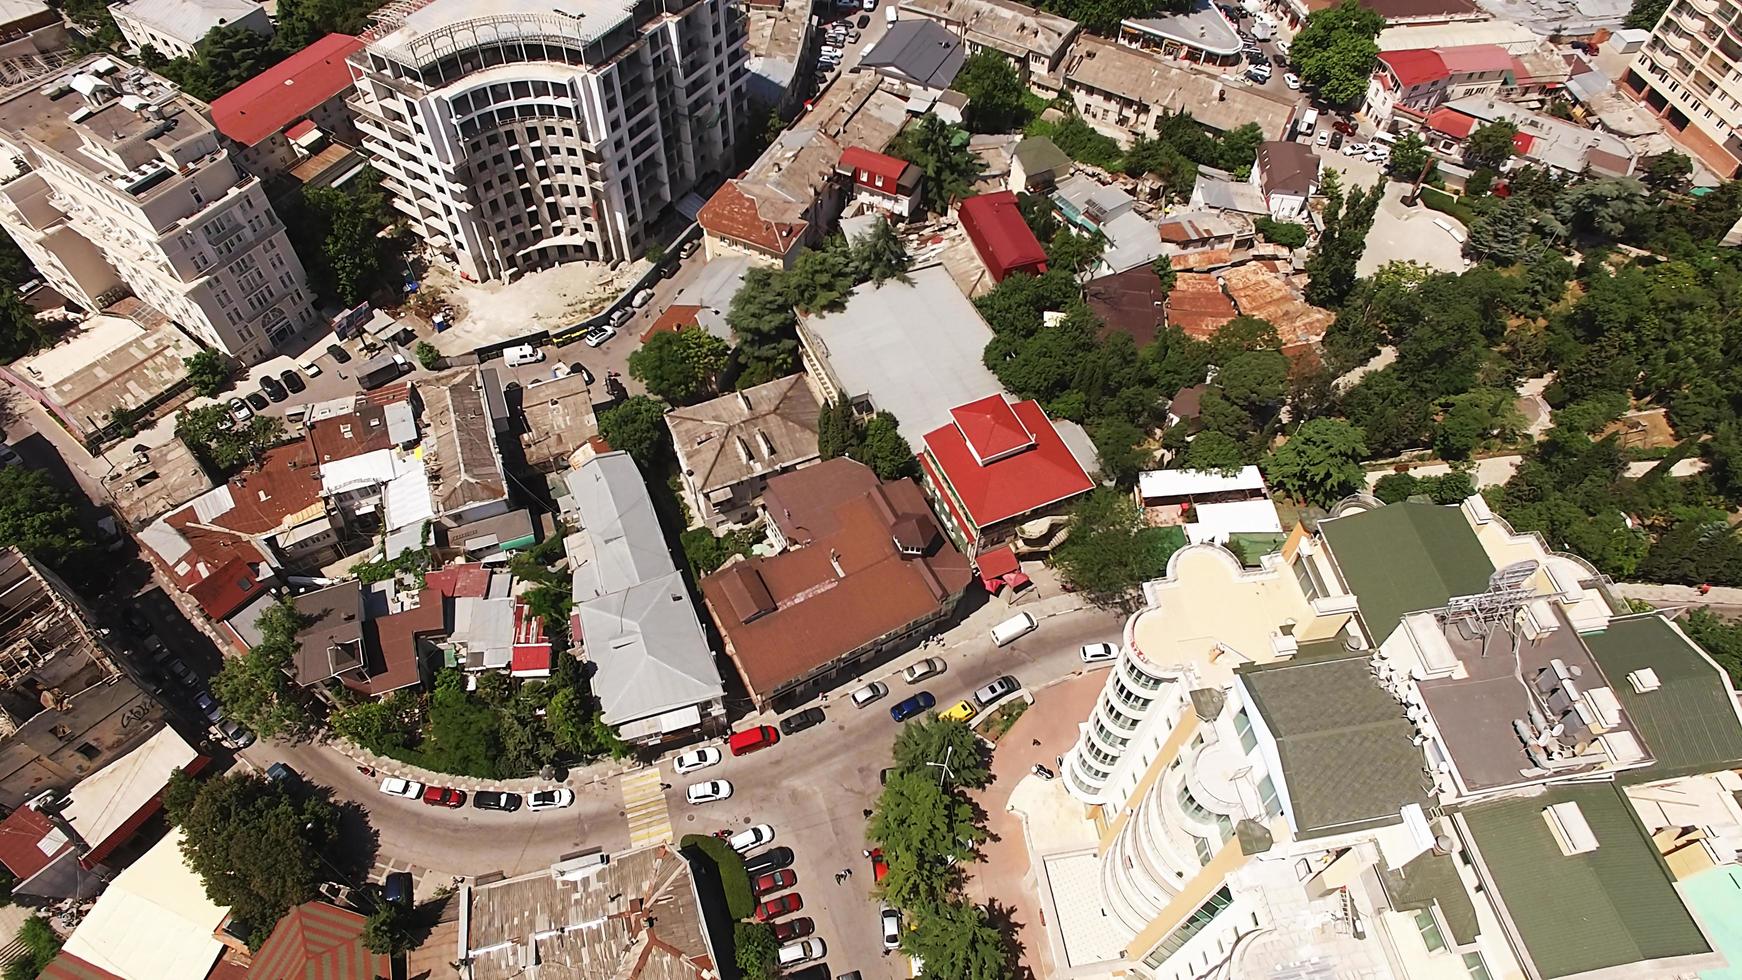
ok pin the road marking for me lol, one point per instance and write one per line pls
(644, 805)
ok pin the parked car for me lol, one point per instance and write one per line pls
(1336, 140)
(233, 734)
(642, 298)
(181, 672)
(1292, 81)
(257, 401)
(292, 380)
(891, 928)
(697, 760)
(490, 799)
(586, 375)
(750, 838)
(308, 367)
(339, 354)
(1013, 629)
(775, 881)
(791, 929)
(960, 711)
(597, 336)
(209, 707)
(396, 888)
(929, 667)
(804, 950)
(521, 355)
(1344, 126)
(444, 796)
(712, 791)
(795, 723)
(869, 693)
(918, 704)
(778, 906)
(772, 859)
(752, 739)
(394, 786)
(278, 772)
(1323, 138)
(273, 389)
(1099, 653)
(239, 411)
(1354, 149)
(863, 22)
(995, 690)
(550, 799)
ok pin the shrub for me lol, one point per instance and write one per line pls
(729, 864)
(1290, 234)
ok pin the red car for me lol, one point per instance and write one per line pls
(751, 739)
(776, 881)
(791, 929)
(879, 866)
(441, 796)
(778, 906)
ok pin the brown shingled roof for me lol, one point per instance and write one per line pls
(733, 214)
(1130, 302)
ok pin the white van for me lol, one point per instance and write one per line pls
(1011, 629)
(522, 355)
(889, 14)
(1309, 121)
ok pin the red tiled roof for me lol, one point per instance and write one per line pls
(20, 832)
(674, 318)
(861, 160)
(300, 129)
(228, 588)
(530, 654)
(352, 434)
(318, 941)
(462, 581)
(991, 428)
(1450, 122)
(1414, 66)
(287, 91)
(788, 615)
(1014, 485)
(1522, 142)
(994, 224)
(1197, 305)
(733, 214)
(66, 966)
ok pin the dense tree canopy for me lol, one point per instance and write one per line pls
(637, 426)
(38, 518)
(941, 152)
(995, 92)
(337, 232)
(1320, 463)
(1111, 551)
(680, 366)
(1335, 52)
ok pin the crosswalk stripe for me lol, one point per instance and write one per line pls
(644, 805)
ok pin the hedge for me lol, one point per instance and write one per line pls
(734, 879)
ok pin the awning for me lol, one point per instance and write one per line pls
(677, 721)
(995, 565)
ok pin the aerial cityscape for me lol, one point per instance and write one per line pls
(871, 489)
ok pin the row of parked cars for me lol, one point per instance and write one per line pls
(226, 730)
(453, 799)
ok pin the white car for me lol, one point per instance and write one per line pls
(1292, 81)
(712, 791)
(1354, 149)
(891, 928)
(920, 671)
(597, 336)
(1324, 138)
(747, 840)
(869, 693)
(309, 367)
(394, 786)
(1099, 653)
(798, 952)
(696, 761)
(1378, 153)
(550, 799)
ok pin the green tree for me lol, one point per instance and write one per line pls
(1073, 252)
(230, 55)
(1491, 145)
(837, 429)
(1110, 549)
(882, 447)
(754, 948)
(1255, 380)
(258, 844)
(222, 446)
(931, 739)
(389, 930)
(1645, 13)
(923, 829)
(1396, 487)
(1176, 171)
(1503, 235)
(941, 152)
(209, 372)
(1164, 273)
(1119, 445)
(428, 356)
(1336, 51)
(960, 941)
(1038, 214)
(38, 517)
(301, 22)
(1347, 220)
(681, 366)
(21, 331)
(1408, 156)
(762, 320)
(1607, 207)
(879, 254)
(41, 945)
(822, 278)
(1668, 171)
(1289, 234)
(637, 426)
(1721, 639)
(255, 688)
(995, 92)
(1321, 463)
(338, 233)
(1214, 451)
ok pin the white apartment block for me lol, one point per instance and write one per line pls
(515, 136)
(173, 28)
(1690, 73)
(127, 188)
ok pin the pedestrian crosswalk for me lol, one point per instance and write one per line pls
(644, 805)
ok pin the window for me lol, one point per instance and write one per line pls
(1243, 725)
(1197, 922)
(1430, 931)
(1478, 969)
(89, 751)
(1267, 790)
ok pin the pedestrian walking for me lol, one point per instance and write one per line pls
(664, 786)
(867, 814)
(1037, 743)
(848, 872)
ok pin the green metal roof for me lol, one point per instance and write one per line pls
(1404, 558)
(1432, 879)
(1689, 723)
(1604, 908)
(1348, 762)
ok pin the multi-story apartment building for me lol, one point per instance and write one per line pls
(1411, 744)
(174, 28)
(129, 189)
(1690, 73)
(527, 136)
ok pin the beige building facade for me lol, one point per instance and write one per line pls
(1690, 73)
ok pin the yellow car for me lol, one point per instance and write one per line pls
(960, 711)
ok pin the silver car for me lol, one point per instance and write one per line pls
(925, 668)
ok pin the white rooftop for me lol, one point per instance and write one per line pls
(154, 921)
(110, 797)
(581, 19)
(1182, 483)
(188, 20)
(1215, 522)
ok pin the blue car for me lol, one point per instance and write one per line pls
(921, 702)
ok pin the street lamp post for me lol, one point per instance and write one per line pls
(944, 766)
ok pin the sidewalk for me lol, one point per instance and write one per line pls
(1685, 594)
